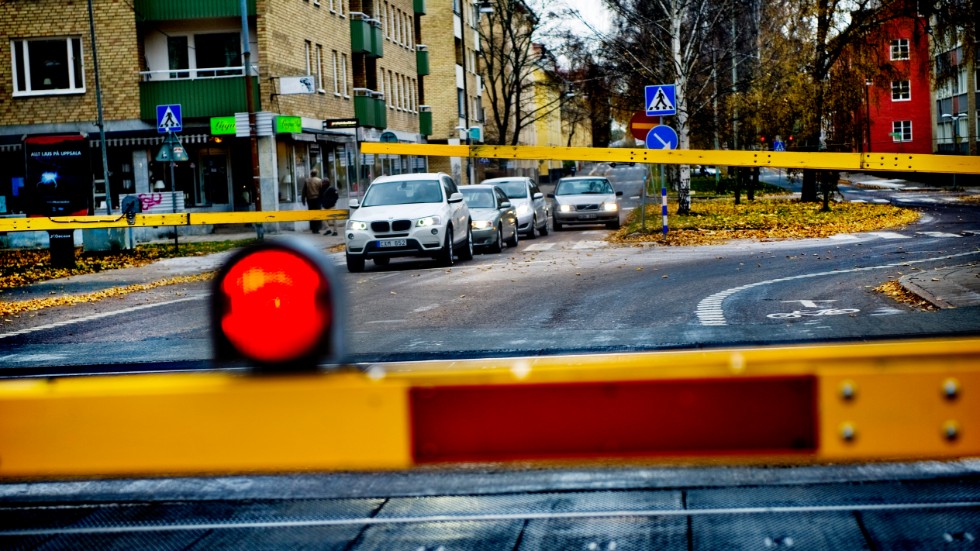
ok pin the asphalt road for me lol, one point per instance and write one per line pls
(568, 292)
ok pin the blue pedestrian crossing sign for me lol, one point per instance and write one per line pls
(662, 137)
(168, 119)
(660, 100)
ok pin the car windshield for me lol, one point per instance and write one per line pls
(737, 275)
(478, 198)
(515, 189)
(381, 194)
(580, 187)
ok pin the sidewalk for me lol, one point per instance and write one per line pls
(160, 270)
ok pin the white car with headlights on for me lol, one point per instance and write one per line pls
(586, 200)
(409, 215)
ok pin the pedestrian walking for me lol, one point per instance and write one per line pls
(328, 198)
(311, 197)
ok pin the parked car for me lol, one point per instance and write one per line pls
(409, 215)
(494, 218)
(533, 210)
(586, 200)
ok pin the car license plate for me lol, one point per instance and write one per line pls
(392, 243)
(586, 217)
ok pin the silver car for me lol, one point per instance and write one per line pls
(586, 200)
(533, 210)
(494, 219)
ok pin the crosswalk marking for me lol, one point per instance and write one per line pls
(590, 244)
(938, 234)
(539, 247)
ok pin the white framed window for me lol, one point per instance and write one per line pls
(319, 68)
(901, 90)
(336, 73)
(340, 7)
(343, 75)
(901, 131)
(47, 66)
(900, 49)
(309, 57)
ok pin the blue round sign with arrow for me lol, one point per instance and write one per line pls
(662, 137)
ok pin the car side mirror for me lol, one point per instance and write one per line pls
(538, 195)
(456, 197)
(505, 205)
(551, 196)
(619, 194)
(354, 203)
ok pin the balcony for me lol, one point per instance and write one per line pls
(365, 35)
(419, 7)
(422, 59)
(370, 108)
(425, 120)
(198, 97)
(178, 10)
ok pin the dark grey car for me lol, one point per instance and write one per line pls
(494, 218)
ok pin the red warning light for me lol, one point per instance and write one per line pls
(274, 306)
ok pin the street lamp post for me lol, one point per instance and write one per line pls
(956, 135)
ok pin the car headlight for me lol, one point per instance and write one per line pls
(523, 209)
(427, 221)
(481, 224)
(356, 225)
(564, 208)
(610, 207)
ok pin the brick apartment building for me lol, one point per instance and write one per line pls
(311, 61)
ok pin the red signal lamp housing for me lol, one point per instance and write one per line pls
(277, 306)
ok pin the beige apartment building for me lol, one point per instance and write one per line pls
(318, 70)
(453, 91)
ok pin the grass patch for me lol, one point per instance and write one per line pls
(19, 267)
(718, 220)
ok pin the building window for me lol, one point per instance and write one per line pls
(48, 66)
(336, 74)
(900, 49)
(340, 7)
(319, 68)
(902, 131)
(218, 50)
(343, 75)
(178, 58)
(461, 103)
(309, 57)
(901, 90)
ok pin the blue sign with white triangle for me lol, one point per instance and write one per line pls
(660, 100)
(168, 118)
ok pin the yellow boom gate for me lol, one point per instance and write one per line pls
(897, 400)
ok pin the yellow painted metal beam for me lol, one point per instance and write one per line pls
(958, 164)
(896, 400)
(153, 220)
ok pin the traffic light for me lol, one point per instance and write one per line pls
(276, 306)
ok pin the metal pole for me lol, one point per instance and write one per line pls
(173, 190)
(663, 197)
(98, 104)
(250, 103)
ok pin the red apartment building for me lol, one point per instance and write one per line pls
(899, 106)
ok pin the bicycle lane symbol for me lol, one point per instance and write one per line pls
(815, 310)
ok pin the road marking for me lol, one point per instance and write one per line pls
(844, 237)
(809, 303)
(889, 235)
(886, 311)
(98, 316)
(590, 245)
(938, 234)
(539, 247)
(421, 309)
(710, 312)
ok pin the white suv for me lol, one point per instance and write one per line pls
(409, 215)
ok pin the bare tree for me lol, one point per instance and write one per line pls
(662, 42)
(511, 58)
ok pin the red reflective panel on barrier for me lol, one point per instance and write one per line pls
(273, 313)
(615, 419)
